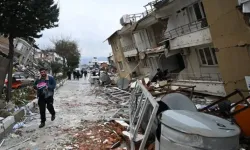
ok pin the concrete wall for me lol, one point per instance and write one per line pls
(193, 39)
(126, 40)
(178, 19)
(141, 40)
(179, 16)
(134, 67)
(119, 56)
(193, 65)
(228, 29)
(144, 70)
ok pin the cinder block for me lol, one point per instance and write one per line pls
(18, 115)
(8, 122)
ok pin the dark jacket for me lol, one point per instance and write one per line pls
(51, 83)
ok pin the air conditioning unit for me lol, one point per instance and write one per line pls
(125, 20)
(185, 52)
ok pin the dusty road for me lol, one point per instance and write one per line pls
(75, 106)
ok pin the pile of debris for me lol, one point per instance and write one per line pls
(102, 136)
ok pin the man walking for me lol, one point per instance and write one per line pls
(45, 86)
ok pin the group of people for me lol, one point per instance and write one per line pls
(77, 74)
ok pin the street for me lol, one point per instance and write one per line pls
(76, 106)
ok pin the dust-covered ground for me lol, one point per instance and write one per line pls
(76, 106)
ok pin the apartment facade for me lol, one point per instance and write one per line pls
(188, 34)
(200, 42)
(23, 52)
(118, 56)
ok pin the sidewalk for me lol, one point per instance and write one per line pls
(7, 124)
(76, 106)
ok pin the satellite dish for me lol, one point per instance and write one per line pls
(142, 55)
(123, 83)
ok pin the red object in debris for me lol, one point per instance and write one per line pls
(242, 119)
(15, 84)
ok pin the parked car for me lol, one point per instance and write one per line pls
(19, 80)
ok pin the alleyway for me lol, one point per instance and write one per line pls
(76, 106)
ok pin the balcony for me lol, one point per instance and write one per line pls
(207, 83)
(129, 47)
(200, 77)
(129, 50)
(186, 29)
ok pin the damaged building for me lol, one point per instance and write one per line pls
(189, 40)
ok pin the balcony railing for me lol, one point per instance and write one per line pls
(186, 29)
(129, 47)
(197, 77)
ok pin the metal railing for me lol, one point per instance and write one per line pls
(129, 47)
(186, 29)
(197, 77)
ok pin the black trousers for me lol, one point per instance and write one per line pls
(42, 102)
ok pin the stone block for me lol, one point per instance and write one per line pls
(9, 129)
(18, 115)
(8, 121)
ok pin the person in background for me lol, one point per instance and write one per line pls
(78, 74)
(82, 72)
(45, 86)
(74, 74)
(69, 75)
(159, 75)
(85, 73)
(94, 73)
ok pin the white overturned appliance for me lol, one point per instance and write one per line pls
(187, 129)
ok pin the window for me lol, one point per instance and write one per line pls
(196, 12)
(207, 56)
(120, 65)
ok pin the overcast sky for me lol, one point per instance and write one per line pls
(90, 22)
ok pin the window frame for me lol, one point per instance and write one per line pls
(213, 56)
(192, 16)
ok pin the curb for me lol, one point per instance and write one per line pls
(7, 124)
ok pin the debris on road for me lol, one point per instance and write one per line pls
(98, 136)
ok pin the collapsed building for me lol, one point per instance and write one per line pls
(203, 49)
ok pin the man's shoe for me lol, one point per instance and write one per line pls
(42, 125)
(53, 117)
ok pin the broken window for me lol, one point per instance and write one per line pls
(207, 56)
(120, 65)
